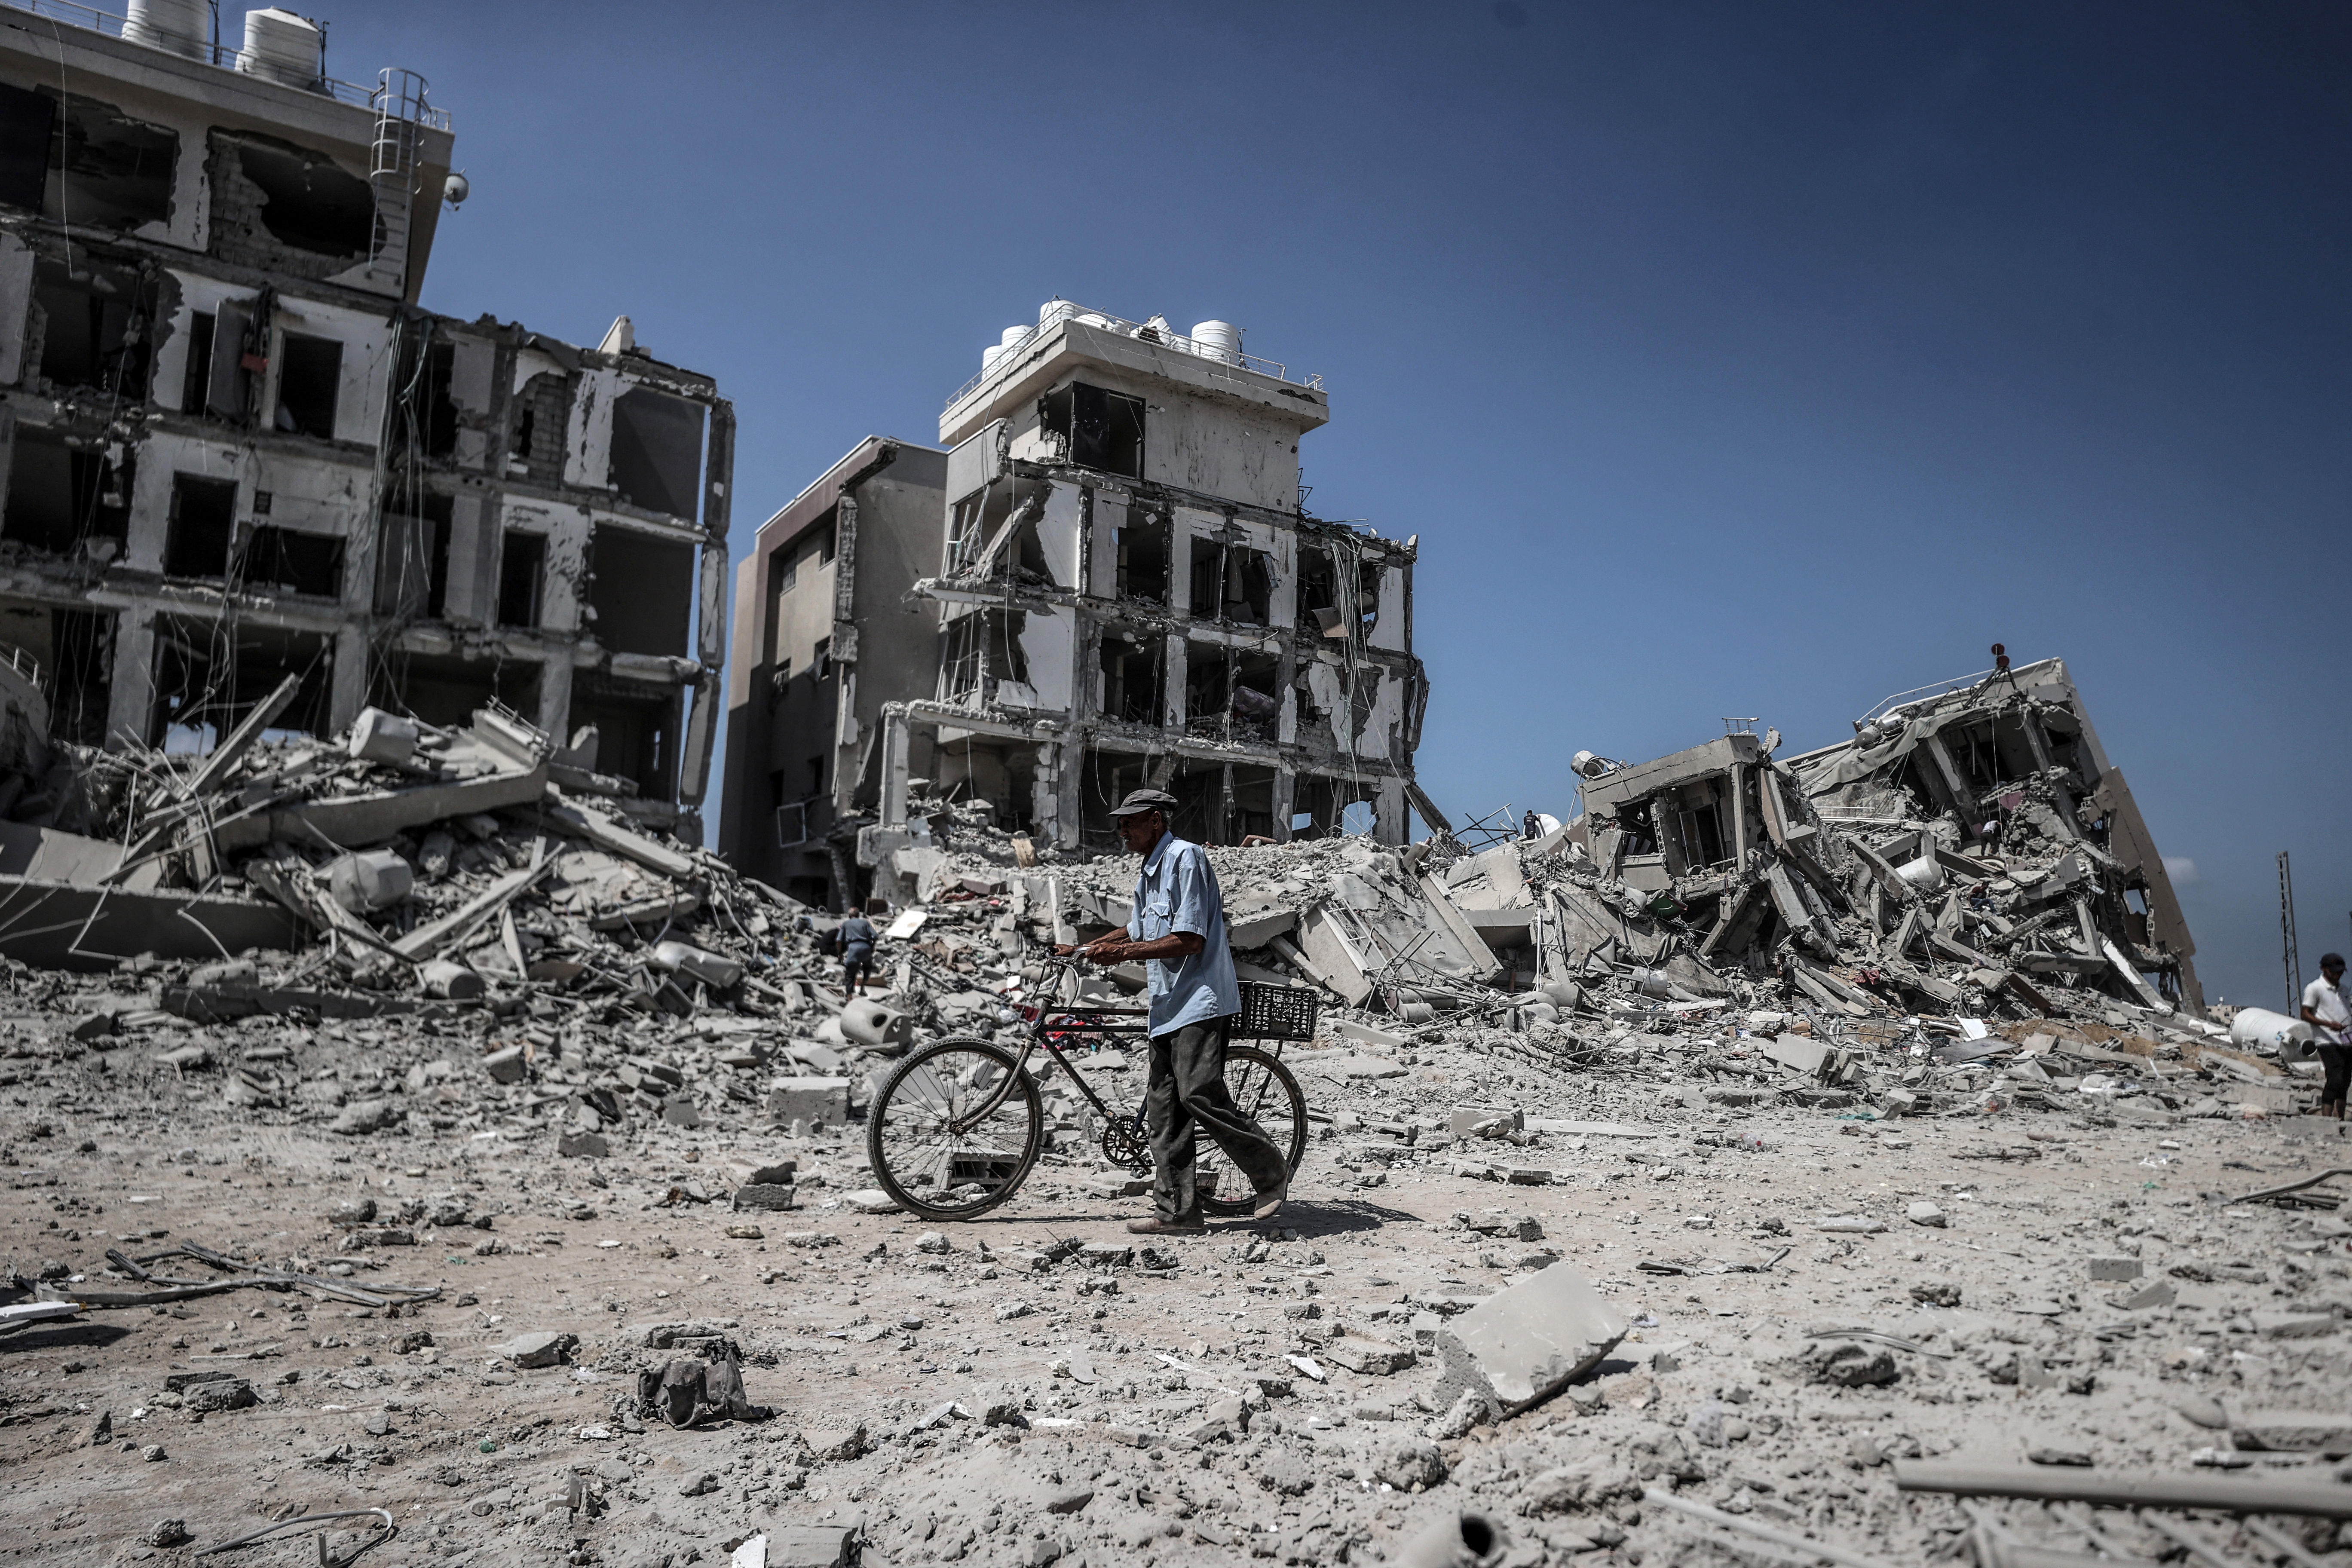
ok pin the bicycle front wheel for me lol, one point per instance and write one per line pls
(1265, 1092)
(930, 1148)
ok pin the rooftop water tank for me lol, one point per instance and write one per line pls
(280, 46)
(182, 26)
(1219, 340)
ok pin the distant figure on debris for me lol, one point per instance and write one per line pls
(1529, 827)
(1179, 928)
(856, 935)
(2328, 1011)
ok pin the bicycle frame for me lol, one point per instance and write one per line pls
(1047, 1029)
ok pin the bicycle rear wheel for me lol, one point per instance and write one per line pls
(1268, 1094)
(927, 1151)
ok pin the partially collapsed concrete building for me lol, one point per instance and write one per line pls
(1972, 844)
(1118, 583)
(233, 449)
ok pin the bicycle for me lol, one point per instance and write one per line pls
(958, 1125)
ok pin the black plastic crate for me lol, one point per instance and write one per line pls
(1276, 1013)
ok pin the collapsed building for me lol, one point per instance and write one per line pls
(1972, 842)
(234, 449)
(1128, 589)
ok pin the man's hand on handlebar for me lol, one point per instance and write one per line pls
(1103, 950)
(1119, 948)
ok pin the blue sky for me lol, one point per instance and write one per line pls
(1726, 359)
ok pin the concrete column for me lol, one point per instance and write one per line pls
(131, 699)
(1388, 812)
(1070, 778)
(894, 768)
(1285, 784)
(1171, 682)
(347, 683)
(555, 699)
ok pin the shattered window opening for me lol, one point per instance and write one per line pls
(107, 170)
(656, 452)
(61, 498)
(309, 202)
(523, 568)
(201, 525)
(301, 563)
(310, 377)
(1097, 428)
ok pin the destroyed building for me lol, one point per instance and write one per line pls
(233, 449)
(1130, 591)
(1971, 844)
(826, 632)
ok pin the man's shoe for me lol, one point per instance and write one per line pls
(1155, 1226)
(1270, 1204)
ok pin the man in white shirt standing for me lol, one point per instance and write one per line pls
(2328, 1011)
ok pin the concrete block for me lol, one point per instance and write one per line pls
(540, 1348)
(1484, 1121)
(2293, 1325)
(809, 1546)
(506, 1066)
(1374, 1358)
(2154, 1293)
(583, 1146)
(1365, 1035)
(680, 1111)
(2117, 1267)
(1927, 1214)
(1796, 1053)
(2293, 1431)
(1523, 1345)
(218, 1394)
(774, 1196)
(824, 1100)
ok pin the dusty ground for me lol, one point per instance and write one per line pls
(477, 1460)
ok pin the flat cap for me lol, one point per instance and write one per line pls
(1143, 800)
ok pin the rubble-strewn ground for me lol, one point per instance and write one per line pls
(1096, 1414)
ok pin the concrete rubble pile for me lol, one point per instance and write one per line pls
(1640, 1222)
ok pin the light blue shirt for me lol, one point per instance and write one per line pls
(1177, 891)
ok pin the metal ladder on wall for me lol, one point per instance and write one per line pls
(399, 111)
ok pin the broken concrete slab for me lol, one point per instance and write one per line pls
(810, 1098)
(1525, 1343)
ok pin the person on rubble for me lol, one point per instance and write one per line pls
(1178, 932)
(2328, 1011)
(856, 937)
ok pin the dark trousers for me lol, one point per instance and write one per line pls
(2335, 1061)
(1188, 1092)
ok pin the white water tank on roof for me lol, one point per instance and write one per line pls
(280, 46)
(182, 26)
(1219, 340)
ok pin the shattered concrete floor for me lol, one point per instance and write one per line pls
(1096, 1418)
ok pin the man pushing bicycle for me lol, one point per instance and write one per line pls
(1178, 931)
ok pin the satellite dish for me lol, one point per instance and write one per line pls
(456, 189)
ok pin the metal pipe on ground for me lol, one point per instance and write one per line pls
(2223, 1495)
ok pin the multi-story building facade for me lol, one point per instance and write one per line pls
(233, 447)
(1110, 578)
(826, 631)
(1131, 591)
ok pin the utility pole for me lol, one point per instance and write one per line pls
(2287, 952)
